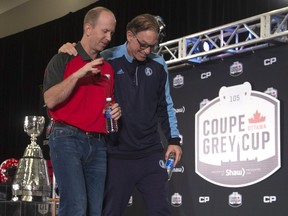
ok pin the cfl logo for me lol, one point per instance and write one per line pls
(205, 75)
(204, 199)
(270, 61)
(269, 199)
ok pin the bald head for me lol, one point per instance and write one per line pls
(98, 28)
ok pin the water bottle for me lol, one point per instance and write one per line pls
(111, 124)
(170, 164)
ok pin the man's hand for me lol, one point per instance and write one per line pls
(116, 111)
(178, 153)
(61, 91)
(89, 68)
(68, 48)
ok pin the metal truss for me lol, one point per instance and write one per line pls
(245, 35)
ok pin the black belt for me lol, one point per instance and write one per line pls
(92, 134)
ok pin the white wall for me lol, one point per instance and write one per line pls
(36, 12)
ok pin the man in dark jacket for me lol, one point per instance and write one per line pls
(142, 91)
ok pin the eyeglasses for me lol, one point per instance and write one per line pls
(144, 46)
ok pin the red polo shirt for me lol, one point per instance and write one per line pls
(84, 108)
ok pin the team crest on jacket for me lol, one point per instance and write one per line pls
(148, 71)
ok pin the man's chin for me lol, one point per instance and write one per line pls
(102, 47)
(141, 58)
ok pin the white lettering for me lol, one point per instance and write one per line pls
(205, 75)
(204, 199)
(270, 61)
(269, 199)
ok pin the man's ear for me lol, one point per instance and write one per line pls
(129, 35)
(87, 29)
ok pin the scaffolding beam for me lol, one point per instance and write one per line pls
(249, 34)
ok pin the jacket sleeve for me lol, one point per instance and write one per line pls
(166, 113)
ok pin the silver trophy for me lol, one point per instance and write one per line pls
(31, 181)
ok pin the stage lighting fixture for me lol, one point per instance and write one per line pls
(162, 32)
(197, 45)
(203, 46)
(162, 27)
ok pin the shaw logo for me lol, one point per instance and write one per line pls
(240, 172)
(178, 170)
(180, 110)
(237, 137)
(181, 139)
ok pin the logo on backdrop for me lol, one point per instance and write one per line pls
(273, 92)
(204, 199)
(206, 75)
(269, 199)
(178, 81)
(237, 137)
(181, 138)
(203, 103)
(180, 110)
(236, 69)
(176, 200)
(235, 199)
(270, 61)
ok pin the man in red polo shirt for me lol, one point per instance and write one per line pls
(75, 89)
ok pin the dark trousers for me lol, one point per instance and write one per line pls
(146, 174)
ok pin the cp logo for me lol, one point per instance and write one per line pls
(270, 61)
(269, 199)
(204, 199)
(205, 75)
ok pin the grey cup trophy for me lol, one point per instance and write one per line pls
(31, 181)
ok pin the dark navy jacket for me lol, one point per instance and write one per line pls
(142, 91)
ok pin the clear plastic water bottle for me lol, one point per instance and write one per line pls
(170, 164)
(111, 124)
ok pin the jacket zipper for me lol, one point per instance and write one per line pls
(136, 77)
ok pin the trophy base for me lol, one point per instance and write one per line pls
(20, 208)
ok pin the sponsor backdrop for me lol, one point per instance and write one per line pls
(232, 117)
